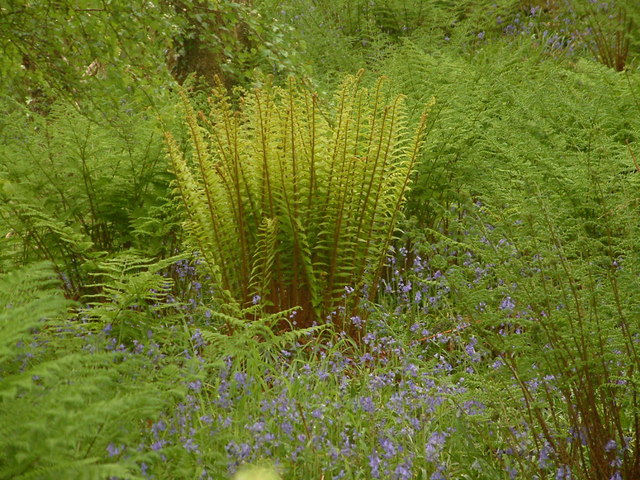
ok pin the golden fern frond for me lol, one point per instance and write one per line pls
(264, 257)
(332, 183)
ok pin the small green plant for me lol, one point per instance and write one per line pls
(289, 203)
(132, 295)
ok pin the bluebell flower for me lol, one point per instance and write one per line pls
(403, 470)
(507, 304)
(473, 407)
(256, 427)
(563, 473)
(411, 370)
(434, 446)
(239, 452)
(240, 378)
(113, 450)
(155, 446)
(159, 426)
(367, 404)
(197, 339)
(389, 447)
(287, 428)
(374, 465)
(543, 456)
(437, 475)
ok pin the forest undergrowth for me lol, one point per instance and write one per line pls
(319, 239)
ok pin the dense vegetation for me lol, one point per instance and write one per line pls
(320, 239)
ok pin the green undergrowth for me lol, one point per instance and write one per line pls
(293, 283)
(69, 405)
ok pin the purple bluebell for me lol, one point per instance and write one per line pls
(434, 446)
(197, 339)
(507, 304)
(367, 404)
(563, 473)
(287, 428)
(241, 379)
(437, 475)
(543, 455)
(114, 450)
(159, 426)
(403, 470)
(374, 465)
(155, 446)
(388, 447)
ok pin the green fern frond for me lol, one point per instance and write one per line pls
(131, 290)
(264, 258)
(258, 340)
(72, 187)
(61, 407)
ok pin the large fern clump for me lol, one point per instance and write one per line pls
(290, 202)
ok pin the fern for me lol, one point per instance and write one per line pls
(72, 188)
(545, 149)
(504, 120)
(263, 265)
(258, 343)
(311, 196)
(60, 407)
(132, 294)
